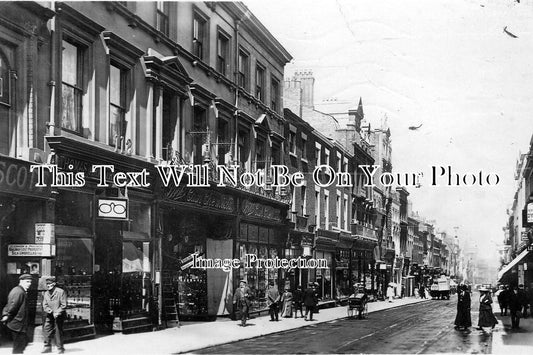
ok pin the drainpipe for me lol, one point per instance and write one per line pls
(52, 120)
(236, 81)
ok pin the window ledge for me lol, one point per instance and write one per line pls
(293, 154)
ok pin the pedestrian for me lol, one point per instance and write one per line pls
(514, 308)
(272, 297)
(15, 313)
(310, 298)
(286, 303)
(503, 299)
(522, 295)
(298, 301)
(390, 292)
(54, 306)
(486, 317)
(241, 300)
(422, 291)
(463, 319)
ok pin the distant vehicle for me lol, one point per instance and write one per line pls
(440, 288)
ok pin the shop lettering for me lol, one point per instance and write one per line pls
(16, 176)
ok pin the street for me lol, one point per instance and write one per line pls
(418, 328)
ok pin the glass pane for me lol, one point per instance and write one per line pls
(114, 123)
(69, 118)
(115, 87)
(70, 64)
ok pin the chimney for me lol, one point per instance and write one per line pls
(305, 77)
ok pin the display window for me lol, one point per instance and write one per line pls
(73, 269)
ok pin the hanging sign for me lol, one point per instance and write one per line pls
(112, 208)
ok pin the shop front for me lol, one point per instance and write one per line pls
(325, 248)
(26, 232)
(104, 244)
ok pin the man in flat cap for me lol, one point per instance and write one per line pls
(54, 305)
(15, 313)
(241, 301)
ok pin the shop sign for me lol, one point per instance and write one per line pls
(383, 266)
(16, 177)
(113, 208)
(45, 233)
(530, 248)
(40, 250)
(530, 212)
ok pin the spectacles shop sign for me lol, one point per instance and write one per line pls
(40, 250)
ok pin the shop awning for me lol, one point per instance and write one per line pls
(509, 266)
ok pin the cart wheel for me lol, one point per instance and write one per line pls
(365, 311)
(350, 312)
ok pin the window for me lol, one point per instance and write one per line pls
(198, 37)
(274, 94)
(162, 17)
(72, 82)
(346, 212)
(117, 110)
(260, 156)
(318, 148)
(326, 209)
(326, 156)
(222, 53)
(292, 142)
(222, 140)
(259, 82)
(339, 209)
(242, 148)
(199, 137)
(318, 215)
(171, 130)
(304, 146)
(304, 200)
(276, 154)
(243, 69)
(339, 162)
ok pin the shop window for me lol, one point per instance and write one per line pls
(74, 269)
(72, 86)
(73, 209)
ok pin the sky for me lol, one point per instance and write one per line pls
(447, 65)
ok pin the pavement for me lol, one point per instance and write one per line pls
(512, 341)
(194, 336)
(191, 336)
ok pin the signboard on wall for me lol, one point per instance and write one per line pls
(39, 250)
(45, 233)
(112, 208)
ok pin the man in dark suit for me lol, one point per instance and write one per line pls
(514, 307)
(310, 300)
(241, 300)
(15, 313)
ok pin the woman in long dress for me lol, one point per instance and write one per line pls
(463, 319)
(486, 317)
(286, 298)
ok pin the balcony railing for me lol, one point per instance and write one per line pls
(363, 231)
